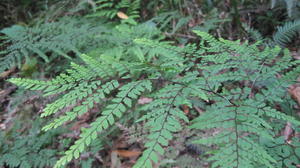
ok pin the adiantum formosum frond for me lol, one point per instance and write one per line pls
(237, 82)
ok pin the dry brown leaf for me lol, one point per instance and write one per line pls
(122, 15)
(78, 125)
(115, 161)
(2, 126)
(295, 55)
(4, 93)
(120, 143)
(288, 131)
(186, 109)
(295, 93)
(194, 22)
(127, 153)
(144, 100)
(7, 73)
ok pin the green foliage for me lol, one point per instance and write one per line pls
(238, 82)
(29, 150)
(287, 32)
(286, 154)
(162, 120)
(253, 34)
(291, 6)
(110, 9)
(230, 96)
(119, 42)
(112, 111)
(69, 35)
(211, 21)
(95, 147)
(84, 87)
(244, 117)
(171, 20)
(162, 6)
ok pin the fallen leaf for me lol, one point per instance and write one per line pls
(127, 153)
(295, 93)
(115, 161)
(2, 126)
(186, 109)
(122, 15)
(7, 73)
(295, 54)
(144, 100)
(6, 92)
(288, 131)
(78, 125)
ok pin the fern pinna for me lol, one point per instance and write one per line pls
(287, 32)
(239, 83)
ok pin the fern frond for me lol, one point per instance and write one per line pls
(286, 154)
(29, 149)
(59, 38)
(238, 82)
(254, 34)
(287, 32)
(236, 122)
(126, 95)
(241, 119)
(163, 122)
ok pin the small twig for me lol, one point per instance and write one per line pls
(288, 131)
(252, 86)
(7, 73)
(198, 109)
(255, 10)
